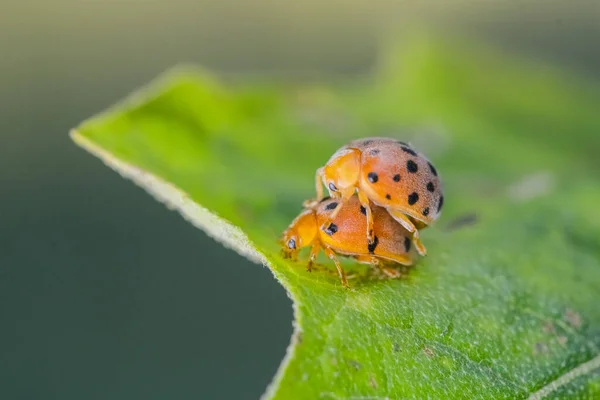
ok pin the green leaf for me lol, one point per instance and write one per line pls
(506, 303)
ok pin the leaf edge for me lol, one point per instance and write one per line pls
(227, 234)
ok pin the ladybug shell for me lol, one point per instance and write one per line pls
(395, 175)
(347, 234)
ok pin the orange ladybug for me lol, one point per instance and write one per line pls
(390, 174)
(345, 234)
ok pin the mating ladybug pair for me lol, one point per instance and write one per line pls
(382, 192)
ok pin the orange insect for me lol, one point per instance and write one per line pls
(345, 235)
(390, 174)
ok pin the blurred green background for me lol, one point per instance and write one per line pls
(103, 292)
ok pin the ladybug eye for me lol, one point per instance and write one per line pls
(291, 244)
(332, 187)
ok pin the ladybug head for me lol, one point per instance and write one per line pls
(301, 233)
(342, 171)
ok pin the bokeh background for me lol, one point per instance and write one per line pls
(103, 292)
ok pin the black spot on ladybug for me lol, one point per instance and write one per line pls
(440, 204)
(387, 196)
(413, 198)
(331, 206)
(411, 166)
(325, 199)
(363, 210)
(331, 229)
(432, 168)
(373, 246)
(408, 150)
(407, 244)
(401, 143)
(367, 142)
(397, 178)
(426, 211)
(374, 152)
(430, 187)
(373, 178)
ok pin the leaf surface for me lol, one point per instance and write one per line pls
(506, 303)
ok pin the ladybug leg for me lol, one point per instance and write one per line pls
(418, 224)
(329, 253)
(364, 201)
(344, 198)
(381, 270)
(319, 183)
(318, 189)
(330, 218)
(405, 221)
(389, 272)
(363, 259)
(314, 252)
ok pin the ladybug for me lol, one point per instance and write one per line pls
(345, 235)
(389, 173)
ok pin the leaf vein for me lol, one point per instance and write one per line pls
(566, 378)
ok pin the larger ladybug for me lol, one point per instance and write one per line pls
(392, 175)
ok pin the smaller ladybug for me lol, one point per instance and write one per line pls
(345, 235)
(390, 174)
